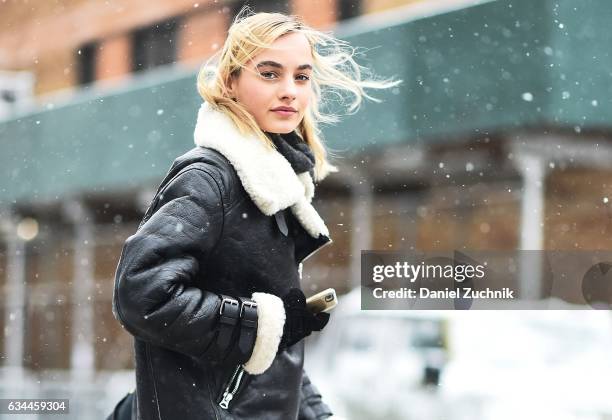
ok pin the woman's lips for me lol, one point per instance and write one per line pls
(284, 113)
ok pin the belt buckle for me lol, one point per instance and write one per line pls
(224, 301)
(247, 303)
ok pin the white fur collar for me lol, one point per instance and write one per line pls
(265, 174)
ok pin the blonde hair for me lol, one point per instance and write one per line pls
(334, 72)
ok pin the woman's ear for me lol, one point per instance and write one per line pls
(231, 87)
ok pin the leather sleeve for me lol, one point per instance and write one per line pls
(156, 297)
(312, 406)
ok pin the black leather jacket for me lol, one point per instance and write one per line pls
(203, 239)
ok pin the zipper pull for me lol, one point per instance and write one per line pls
(227, 397)
(228, 394)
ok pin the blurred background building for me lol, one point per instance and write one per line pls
(499, 138)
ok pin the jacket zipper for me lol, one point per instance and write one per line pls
(232, 387)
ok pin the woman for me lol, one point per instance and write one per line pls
(209, 285)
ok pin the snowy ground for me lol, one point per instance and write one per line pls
(547, 364)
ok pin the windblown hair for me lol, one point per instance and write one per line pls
(334, 72)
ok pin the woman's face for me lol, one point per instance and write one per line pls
(275, 86)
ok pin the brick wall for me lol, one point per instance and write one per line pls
(202, 34)
(43, 36)
(316, 13)
(114, 57)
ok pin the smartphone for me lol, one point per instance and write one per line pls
(323, 301)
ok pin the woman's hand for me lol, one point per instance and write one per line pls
(299, 321)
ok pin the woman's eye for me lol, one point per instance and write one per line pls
(271, 75)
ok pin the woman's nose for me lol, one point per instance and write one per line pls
(288, 89)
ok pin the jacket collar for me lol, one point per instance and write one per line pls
(265, 174)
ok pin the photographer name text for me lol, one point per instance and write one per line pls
(446, 293)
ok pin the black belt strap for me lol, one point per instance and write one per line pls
(248, 329)
(244, 337)
(229, 313)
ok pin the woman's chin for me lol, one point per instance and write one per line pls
(280, 128)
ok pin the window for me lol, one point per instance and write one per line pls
(348, 9)
(154, 45)
(48, 307)
(86, 59)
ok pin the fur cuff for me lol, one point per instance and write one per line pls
(270, 323)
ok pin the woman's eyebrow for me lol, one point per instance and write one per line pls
(280, 66)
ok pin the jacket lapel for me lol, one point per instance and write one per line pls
(265, 174)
